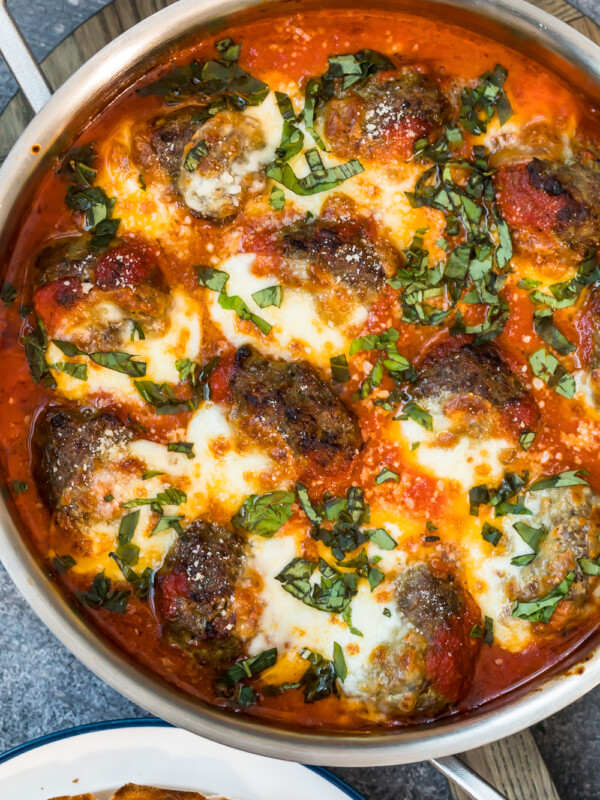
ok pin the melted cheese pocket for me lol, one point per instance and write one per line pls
(298, 328)
(182, 339)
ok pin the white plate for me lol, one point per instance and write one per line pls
(102, 757)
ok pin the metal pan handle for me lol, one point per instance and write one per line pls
(22, 62)
(469, 781)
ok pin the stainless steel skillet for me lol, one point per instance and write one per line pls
(515, 23)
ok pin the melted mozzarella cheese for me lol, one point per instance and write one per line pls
(290, 625)
(298, 329)
(469, 461)
(182, 339)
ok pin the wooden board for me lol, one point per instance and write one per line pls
(513, 765)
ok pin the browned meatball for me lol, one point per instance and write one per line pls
(196, 586)
(72, 446)
(550, 198)
(215, 165)
(454, 373)
(428, 664)
(70, 276)
(571, 520)
(385, 116)
(286, 403)
(345, 251)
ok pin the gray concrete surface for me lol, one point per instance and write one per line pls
(43, 688)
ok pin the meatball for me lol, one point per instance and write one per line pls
(286, 403)
(559, 201)
(385, 116)
(571, 517)
(214, 165)
(69, 277)
(195, 589)
(473, 382)
(344, 251)
(72, 447)
(428, 669)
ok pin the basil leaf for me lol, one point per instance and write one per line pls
(572, 478)
(381, 538)
(488, 635)
(339, 369)
(277, 198)
(63, 563)
(142, 182)
(127, 527)
(479, 103)
(162, 397)
(530, 535)
(526, 439)
(491, 534)
(36, 344)
(187, 448)
(528, 284)
(8, 294)
(524, 560)
(547, 330)
(210, 278)
(19, 487)
(193, 156)
(589, 566)
(375, 341)
(120, 362)
(320, 679)
(265, 514)
(374, 577)
(476, 632)
(306, 504)
(250, 667)
(418, 415)
(100, 595)
(386, 475)
(78, 371)
(546, 367)
(150, 473)
(347, 617)
(68, 348)
(169, 497)
(235, 303)
(478, 496)
(167, 522)
(541, 610)
(334, 592)
(136, 328)
(339, 662)
(103, 233)
(271, 296)
(140, 583)
(319, 179)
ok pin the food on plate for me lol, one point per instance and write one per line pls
(301, 398)
(132, 791)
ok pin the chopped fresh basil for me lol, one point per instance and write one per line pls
(306, 504)
(101, 595)
(526, 439)
(387, 475)
(530, 535)
(265, 514)
(210, 278)
(63, 563)
(476, 632)
(36, 344)
(541, 610)
(108, 498)
(334, 592)
(320, 679)
(417, 414)
(491, 534)
(547, 330)
(140, 583)
(277, 198)
(498, 498)
(588, 566)
(339, 662)
(169, 497)
(136, 330)
(375, 341)
(347, 617)
(565, 294)
(187, 448)
(142, 182)
(162, 397)
(488, 635)
(546, 367)
(103, 233)
(319, 179)
(339, 369)
(528, 284)
(271, 296)
(68, 348)
(571, 478)
(193, 156)
(381, 538)
(168, 522)
(19, 487)
(127, 551)
(480, 102)
(150, 473)
(250, 667)
(78, 371)
(387, 612)
(8, 294)
(235, 303)
(120, 362)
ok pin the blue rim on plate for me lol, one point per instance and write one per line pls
(146, 722)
